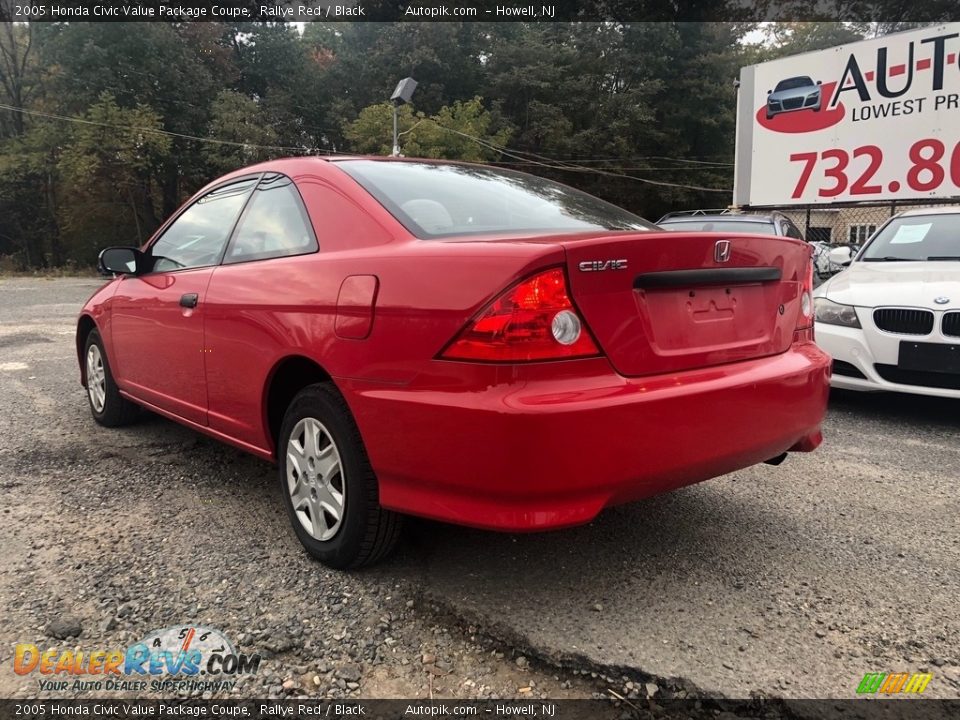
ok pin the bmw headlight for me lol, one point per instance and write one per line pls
(832, 313)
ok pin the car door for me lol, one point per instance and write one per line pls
(157, 317)
(260, 291)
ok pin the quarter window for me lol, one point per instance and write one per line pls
(196, 238)
(791, 230)
(275, 224)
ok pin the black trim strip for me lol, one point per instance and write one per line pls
(705, 276)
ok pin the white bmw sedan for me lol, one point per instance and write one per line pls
(891, 320)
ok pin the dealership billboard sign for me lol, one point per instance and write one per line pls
(872, 120)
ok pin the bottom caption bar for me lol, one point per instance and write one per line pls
(116, 709)
(600, 709)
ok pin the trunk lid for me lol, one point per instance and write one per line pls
(672, 301)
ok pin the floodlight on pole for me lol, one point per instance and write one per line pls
(401, 96)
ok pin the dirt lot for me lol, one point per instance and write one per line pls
(791, 581)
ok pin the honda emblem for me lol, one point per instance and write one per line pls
(721, 251)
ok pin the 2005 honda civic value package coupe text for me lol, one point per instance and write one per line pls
(457, 342)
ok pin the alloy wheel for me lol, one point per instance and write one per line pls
(96, 379)
(315, 479)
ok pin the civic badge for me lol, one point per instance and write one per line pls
(942, 300)
(721, 251)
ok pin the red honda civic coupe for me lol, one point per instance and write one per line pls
(454, 341)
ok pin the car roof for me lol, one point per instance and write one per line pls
(318, 165)
(279, 164)
(720, 218)
(949, 210)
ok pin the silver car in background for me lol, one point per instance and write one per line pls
(723, 220)
(773, 223)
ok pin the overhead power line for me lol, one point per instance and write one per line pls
(526, 157)
(611, 166)
(158, 131)
(647, 157)
(570, 167)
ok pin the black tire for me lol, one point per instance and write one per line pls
(366, 532)
(117, 410)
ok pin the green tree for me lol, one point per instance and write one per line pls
(355, 65)
(238, 122)
(107, 168)
(159, 65)
(623, 100)
(790, 38)
(633, 112)
(18, 74)
(372, 132)
(462, 131)
(29, 185)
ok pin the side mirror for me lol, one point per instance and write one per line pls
(840, 256)
(120, 261)
(819, 82)
(769, 92)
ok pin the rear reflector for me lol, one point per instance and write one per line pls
(805, 316)
(533, 320)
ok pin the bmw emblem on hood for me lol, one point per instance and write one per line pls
(941, 300)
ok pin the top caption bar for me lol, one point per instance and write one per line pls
(472, 11)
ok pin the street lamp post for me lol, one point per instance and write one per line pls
(401, 96)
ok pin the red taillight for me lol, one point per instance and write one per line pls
(805, 314)
(533, 320)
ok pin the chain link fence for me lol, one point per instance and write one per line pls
(844, 223)
(841, 224)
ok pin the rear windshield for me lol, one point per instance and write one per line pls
(727, 226)
(435, 200)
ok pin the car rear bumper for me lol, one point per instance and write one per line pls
(859, 361)
(530, 455)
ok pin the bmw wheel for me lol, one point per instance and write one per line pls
(107, 405)
(328, 486)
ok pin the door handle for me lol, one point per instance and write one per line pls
(189, 300)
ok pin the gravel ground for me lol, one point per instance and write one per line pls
(786, 582)
(790, 581)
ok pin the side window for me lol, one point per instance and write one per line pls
(275, 224)
(791, 230)
(196, 238)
